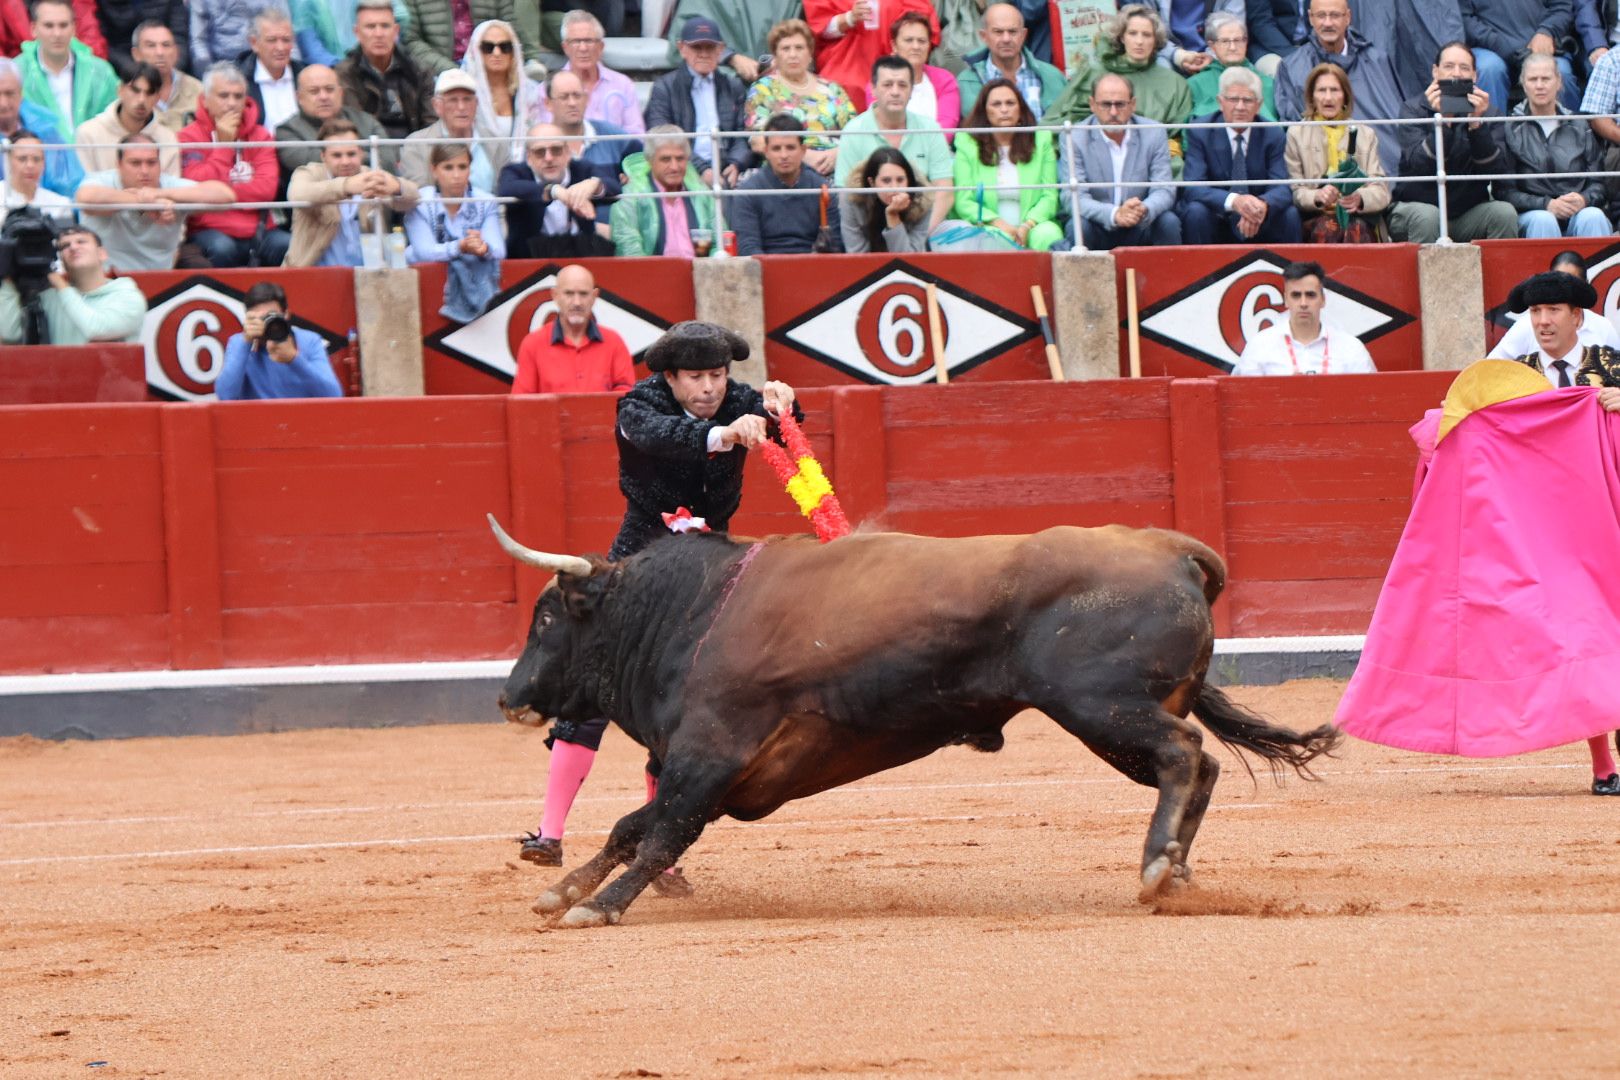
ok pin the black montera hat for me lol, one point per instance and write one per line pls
(696, 346)
(1552, 287)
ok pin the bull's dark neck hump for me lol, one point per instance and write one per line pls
(664, 601)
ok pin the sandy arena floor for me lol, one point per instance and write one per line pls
(349, 903)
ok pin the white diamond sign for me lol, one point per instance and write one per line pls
(185, 332)
(490, 342)
(1213, 318)
(877, 329)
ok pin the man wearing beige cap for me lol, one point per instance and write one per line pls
(455, 98)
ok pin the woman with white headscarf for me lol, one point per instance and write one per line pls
(508, 100)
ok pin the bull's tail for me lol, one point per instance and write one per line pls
(1213, 568)
(1242, 730)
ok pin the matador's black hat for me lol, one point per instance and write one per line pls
(1552, 287)
(696, 346)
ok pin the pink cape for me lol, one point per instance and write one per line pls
(1498, 627)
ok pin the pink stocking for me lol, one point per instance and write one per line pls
(570, 765)
(1602, 760)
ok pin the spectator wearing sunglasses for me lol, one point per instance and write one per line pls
(563, 204)
(509, 102)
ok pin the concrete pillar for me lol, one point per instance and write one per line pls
(1451, 295)
(389, 320)
(1085, 314)
(731, 292)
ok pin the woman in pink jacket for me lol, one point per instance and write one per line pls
(934, 92)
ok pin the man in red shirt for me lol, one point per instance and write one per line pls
(571, 354)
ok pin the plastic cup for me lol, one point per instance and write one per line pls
(702, 242)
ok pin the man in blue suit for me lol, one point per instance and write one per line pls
(1219, 211)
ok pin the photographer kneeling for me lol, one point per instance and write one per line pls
(78, 302)
(271, 358)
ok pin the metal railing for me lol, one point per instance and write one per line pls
(1070, 185)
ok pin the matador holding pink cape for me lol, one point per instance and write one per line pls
(1497, 631)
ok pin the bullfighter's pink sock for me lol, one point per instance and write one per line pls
(1602, 760)
(570, 765)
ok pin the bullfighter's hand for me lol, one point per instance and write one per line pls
(1609, 398)
(745, 431)
(778, 397)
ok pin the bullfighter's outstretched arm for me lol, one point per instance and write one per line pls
(653, 426)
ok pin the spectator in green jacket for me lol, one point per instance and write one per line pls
(1006, 56)
(430, 29)
(1228, 41)
(996, 174)
(59, 72)
(671, 225)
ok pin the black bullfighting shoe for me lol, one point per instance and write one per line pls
(1608, 785)
(673, 885)
(540, 851)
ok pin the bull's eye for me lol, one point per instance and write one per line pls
(545, 619)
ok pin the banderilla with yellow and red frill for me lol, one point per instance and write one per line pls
(797, 468)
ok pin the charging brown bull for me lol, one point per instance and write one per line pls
(757, 673)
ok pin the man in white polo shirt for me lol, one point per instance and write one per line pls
(1303, 344)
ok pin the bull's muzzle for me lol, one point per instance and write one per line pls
(521, 715)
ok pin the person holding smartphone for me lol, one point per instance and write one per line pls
(1472, 148)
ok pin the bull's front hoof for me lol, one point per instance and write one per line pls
(1158, 875)
(587, 915)
(1155, 879)
(554, 900)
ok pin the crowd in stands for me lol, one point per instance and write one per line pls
(166, 127)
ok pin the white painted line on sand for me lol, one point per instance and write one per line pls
(397, 841)
(853, 790)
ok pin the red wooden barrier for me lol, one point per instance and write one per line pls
(1199, 305)
(1317, 482)
(46, 374)
(151, 536)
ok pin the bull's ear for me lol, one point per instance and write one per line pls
(582, 593)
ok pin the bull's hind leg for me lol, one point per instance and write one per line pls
(687, 797)
(1159, 750)
(619, 849)
(1208, 771)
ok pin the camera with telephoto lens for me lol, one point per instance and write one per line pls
(27, 256)
(276, 329)
(27, 248)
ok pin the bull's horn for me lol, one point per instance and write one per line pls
(561, 564)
